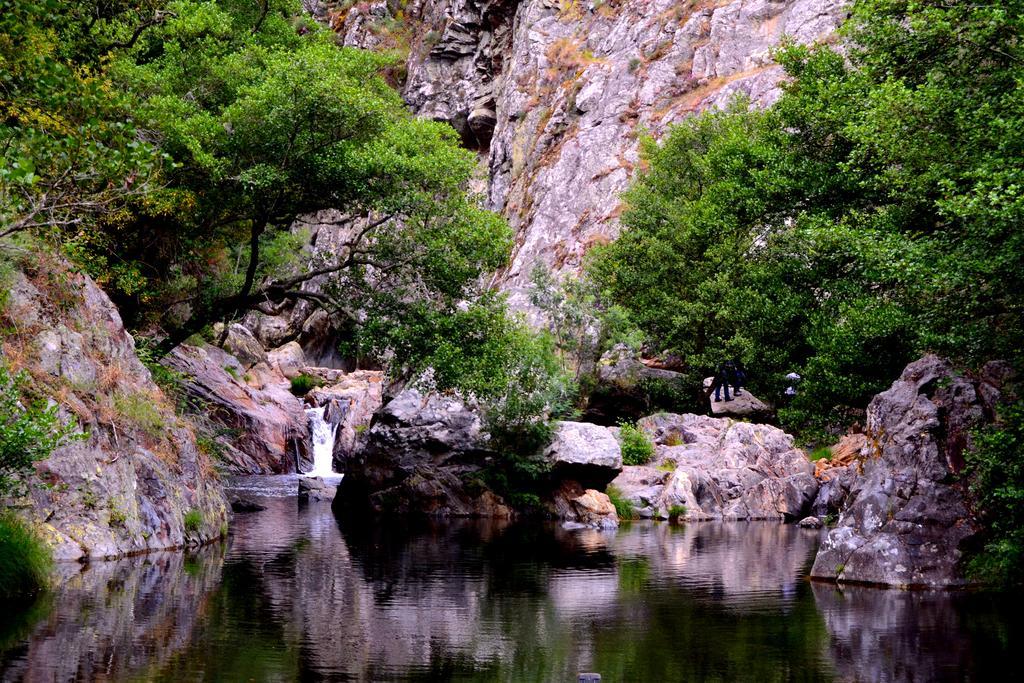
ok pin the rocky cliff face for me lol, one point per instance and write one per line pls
(129, 485)
(555, 94)
(907, 520)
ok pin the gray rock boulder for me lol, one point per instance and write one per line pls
(719, 469)
(744, 404)
(908, 521)
(424, 454)
(316, 489)
(587, 453)
(241, 343)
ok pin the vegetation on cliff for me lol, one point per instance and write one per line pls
(168, 147)
(872, 214)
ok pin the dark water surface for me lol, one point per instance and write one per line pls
(297, 595)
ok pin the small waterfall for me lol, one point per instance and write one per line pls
(323, 444)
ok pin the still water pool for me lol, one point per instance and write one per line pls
(296, 594)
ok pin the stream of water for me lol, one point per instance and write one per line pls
(323, 443)
(297, 594)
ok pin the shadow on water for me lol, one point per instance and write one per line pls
(297, 594)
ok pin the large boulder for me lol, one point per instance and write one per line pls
(584, 452)
(626, 384)
(719, 469)
(258, 430)
(127, 486)
(908, 520)
(241, 343)
(424, 454)
(743, 404)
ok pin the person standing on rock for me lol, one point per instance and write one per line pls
(728, 374)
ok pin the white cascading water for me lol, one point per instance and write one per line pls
(323, 444)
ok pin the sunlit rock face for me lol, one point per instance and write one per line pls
(128, 482)
(555, 95)
(717, 468)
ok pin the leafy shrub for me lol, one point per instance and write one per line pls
(303, 384)
(25, 559)
(193, 520)
(623, 507)
(29, 431)
(637, 448)
(820, 453)
(995, 467)
(676, 511)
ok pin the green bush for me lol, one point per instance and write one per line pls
(193, 520)
(820, 453)
(25, 559)
(303, 384)
(676, 511)
(995, 468)
(623, 507)
(637, 448)
(29, 431)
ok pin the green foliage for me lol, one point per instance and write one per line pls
(995, 469)
(140, 411)
(637, 448)
(676, 511)
(872, 214)
(25, 559)
(193, 521)
(303, 384)
(623, 507)
(820, 453)
(29, 431)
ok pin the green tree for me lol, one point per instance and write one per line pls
(873, 213)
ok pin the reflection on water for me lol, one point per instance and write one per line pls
(296, 595)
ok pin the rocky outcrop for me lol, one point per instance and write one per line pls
(626, 384)
(424, 454)
(259, 429)
(742, 404)
(128, 485)
(908, 521)
(316, 489)
(555, 95)
(716, 468)
(579, 507)
(584, 452)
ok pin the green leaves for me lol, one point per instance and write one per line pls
(872, 214)
(28, 432)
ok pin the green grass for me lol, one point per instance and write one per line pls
(821, 453)
(637, 449)
(676, 511)
(303, 384)
(193, 520)
(141, 411)
(25, 559)
(623, 508)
